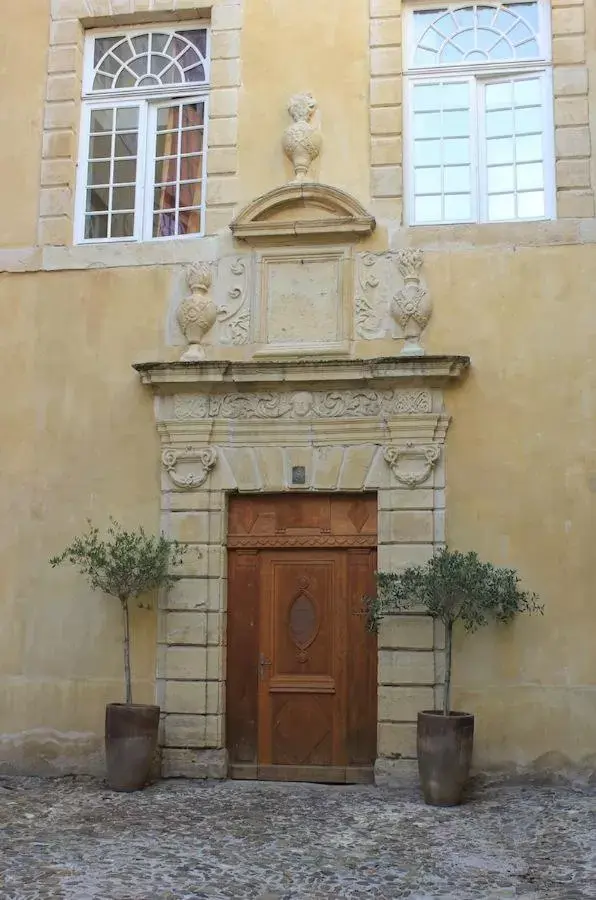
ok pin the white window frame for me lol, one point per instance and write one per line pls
(479, 75)
(149, 100)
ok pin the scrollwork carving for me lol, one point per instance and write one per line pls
(232, 314)
(206, 457)
(422, 459)
(303, 404)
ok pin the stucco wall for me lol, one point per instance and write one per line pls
(79, 436)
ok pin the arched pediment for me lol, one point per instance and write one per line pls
(303, 210)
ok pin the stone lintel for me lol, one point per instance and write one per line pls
(382, 371)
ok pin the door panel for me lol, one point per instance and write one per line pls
(302, 638)
(302, 669)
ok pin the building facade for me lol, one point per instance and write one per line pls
(308, 286)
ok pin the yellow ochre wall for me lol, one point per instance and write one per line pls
(78, 432)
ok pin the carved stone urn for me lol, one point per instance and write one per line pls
(301, 140)
(197, 313)
(411, 306)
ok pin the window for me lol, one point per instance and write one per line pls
(480, 130)
(143, 150)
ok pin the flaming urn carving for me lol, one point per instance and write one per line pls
(197, 313)
(411, 306)
(301, 140)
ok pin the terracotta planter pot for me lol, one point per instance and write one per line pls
(445, 745)
(131, 739)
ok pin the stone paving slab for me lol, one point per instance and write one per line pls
(180, 840)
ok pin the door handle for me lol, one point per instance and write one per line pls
(263, 664)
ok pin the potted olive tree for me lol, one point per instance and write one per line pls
(452, 587)
(126, 565)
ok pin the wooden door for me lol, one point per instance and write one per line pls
(301, 683)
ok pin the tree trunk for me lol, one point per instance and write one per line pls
(127, 678)
(447, 690)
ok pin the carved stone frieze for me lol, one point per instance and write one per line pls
(303, 404)
(233, 314)
(206, 457)
(389, 291)
(412, 463)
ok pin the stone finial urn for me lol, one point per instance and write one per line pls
(411, 306)
(301, 140)
(197, 313)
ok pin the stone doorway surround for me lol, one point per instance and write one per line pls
(254, 427)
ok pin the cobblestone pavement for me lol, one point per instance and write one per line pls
(178, 840)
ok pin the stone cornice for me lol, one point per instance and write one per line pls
(380, 372)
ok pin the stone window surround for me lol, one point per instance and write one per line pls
(69, 21)
(575, 193)
(252, 450)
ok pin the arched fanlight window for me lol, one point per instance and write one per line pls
(149, 60)
(476, 33)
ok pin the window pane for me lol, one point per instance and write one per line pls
(125, 80)
(190, 193)
(127, 118)
(457, 179)
(455, 95)
(427, 124)
(165, 196)
(125, 171)
(189, 221)
(458, 207)
(190, 167)
(193, 115)
(166, 170)
(499, 123)
(501, 179)
(98, 199)
(530, 176)
(101, 120)
(456, 150)
(528, 148)
(527, 93)
(164, 224)
(96, 227)
(428, 209)
(168, 118)
(123, 197)
(122, 225)
(427, 153)
(98, 173)
(428, 181)
(531, 205)
(424, 97)
(167, 143)
(100, 146)
(126, 144)
(456, 124)
(499, 150)
(498, 96)
(501, 206)
(528, 120)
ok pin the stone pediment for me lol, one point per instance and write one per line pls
(303, 210)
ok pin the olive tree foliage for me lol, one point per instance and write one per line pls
(124, 564)
(452, 587)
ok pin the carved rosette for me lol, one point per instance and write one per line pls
(302, 141)
(411, 307)
(197, 313)
(412, 463)
(206, 457)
